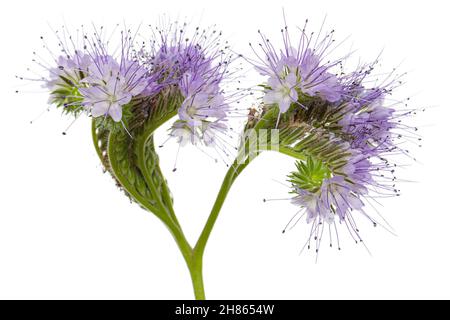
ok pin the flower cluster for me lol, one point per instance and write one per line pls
(298, 71)
(88, 78)
(196, 63)
(103, 80)
(321, 106)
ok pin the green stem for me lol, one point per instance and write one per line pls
(199, 249)
(180, 239)
(196, 263)
(164, 209)
(230, 177)
(196, 272)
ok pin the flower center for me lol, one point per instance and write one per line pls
(112, 99)
(191, 110)
(286, 91)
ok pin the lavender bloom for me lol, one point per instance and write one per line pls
(64, 80)
(369, 134)
(202, 117)
(69, 71)
(367, 119)
(314, 77)
(282, 91)
(347, 128)
(206, 108)
(111, 85)
(175, 65)
(178, 59)
(297, 72)
(197, 65)
(184, 133)
(328, 196)
(326, 193)
(87, 77)
(175, 51)
(202, 107)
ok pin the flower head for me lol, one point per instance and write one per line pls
(110, 85)
(366, 116)
(68, 72)
(346, 130)
(184, 133)
(88, 75)
(298, 71)
(203, 107)
(327, 194)
(64, 80)
(179, 71)
(195, 62)
(282, 91)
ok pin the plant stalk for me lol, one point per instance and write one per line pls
(164, 211)
(195, 264)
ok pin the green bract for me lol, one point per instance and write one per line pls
(310, 174)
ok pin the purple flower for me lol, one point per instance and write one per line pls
(370, 122)
(111, 85)
(202, 116)
(314, 77)
(296, 71)
(68, 72)
(334, 195)
(88, 76)
(184, 133)
(194, 62)
(178, 54)
(203, 107)
(282, 91)
(176, 64)
(367, 127)
(65, 78)
(177, 59)
(326, 193)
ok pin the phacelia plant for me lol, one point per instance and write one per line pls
(342, 128)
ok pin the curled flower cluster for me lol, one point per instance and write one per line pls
(196, 63)
(94, 77)
(319, 107)
(90, 79)
(298, 71)
(111, 85)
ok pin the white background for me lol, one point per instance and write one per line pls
(67, 232)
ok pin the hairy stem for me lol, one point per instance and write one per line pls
(160, 202)
(230, 177)
(196, 263)
(196, 272)
(228, 181)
